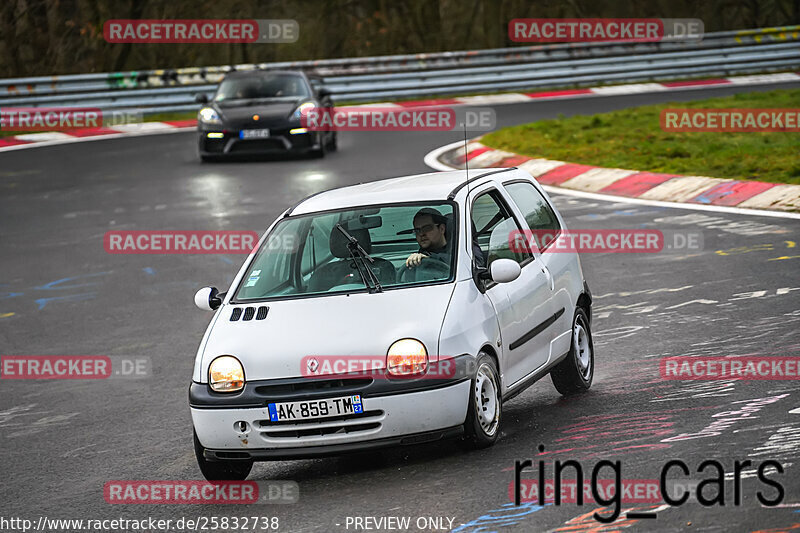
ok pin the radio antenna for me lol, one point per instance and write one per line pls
(466, 159)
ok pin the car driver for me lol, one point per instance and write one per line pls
(430, 228)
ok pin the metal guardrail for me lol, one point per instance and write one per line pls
(420, 75)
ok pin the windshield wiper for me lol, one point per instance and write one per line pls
(358, 253)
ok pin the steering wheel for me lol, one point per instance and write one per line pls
(433, 267)
(382, 268)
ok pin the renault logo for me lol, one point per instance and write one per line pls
(312, 365)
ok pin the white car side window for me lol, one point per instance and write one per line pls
(499, 246)
(493, 226)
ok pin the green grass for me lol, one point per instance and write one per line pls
(633, 139)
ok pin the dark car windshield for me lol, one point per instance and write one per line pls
(307, 255)
(262, 86)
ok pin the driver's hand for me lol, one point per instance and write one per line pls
(415, 259)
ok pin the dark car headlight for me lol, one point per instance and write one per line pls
(302, 107)
(208, 115)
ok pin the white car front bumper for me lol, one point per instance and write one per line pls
(385, 418)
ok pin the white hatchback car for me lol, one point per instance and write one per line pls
(416, 276)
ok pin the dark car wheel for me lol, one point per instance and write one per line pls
(333, 143)
(574, 374)
(237, 470)
(319, 152)
(484, 414)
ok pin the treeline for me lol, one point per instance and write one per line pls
(41, 37)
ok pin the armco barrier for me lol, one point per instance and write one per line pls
(419, 75)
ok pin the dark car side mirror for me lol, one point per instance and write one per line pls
(201, 98)
(324, 92)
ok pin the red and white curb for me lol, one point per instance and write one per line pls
(611, 90)
(632, 186)
(147, 128)
(31, 140)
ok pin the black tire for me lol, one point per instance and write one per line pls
(479, 432)
(333, 143)
(233, 470)
(319, 153)
(575, 373)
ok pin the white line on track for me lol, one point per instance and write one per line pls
(432, 160)
(94, 138)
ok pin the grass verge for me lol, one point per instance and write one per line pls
(633, 139)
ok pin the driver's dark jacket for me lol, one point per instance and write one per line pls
(443, 254)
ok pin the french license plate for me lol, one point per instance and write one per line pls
(254, 134)
(311, 409)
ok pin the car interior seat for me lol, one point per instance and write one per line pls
(343, 270)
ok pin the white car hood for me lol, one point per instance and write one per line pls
(357, 324)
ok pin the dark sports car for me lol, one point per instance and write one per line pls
(258, 112)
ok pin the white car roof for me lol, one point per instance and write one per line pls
(419, 187)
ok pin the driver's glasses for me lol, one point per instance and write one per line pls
(424, 229)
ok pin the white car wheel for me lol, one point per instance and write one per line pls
(485, 404)
(574, 374)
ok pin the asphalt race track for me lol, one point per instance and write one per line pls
(62, 294)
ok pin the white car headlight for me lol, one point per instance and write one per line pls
(225, 374)
(299, 111)
(407, 357)
(208, 116)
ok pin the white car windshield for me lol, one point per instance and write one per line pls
(330, 252)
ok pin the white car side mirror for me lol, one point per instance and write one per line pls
(207, 298)
(504, 270)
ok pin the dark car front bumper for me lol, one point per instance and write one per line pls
(228, 142)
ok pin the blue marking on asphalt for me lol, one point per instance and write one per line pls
(149, 271)
(10, 295)
(488, 522)
(225, 259)
(4, 296)
(56, 285)
(41, 302)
